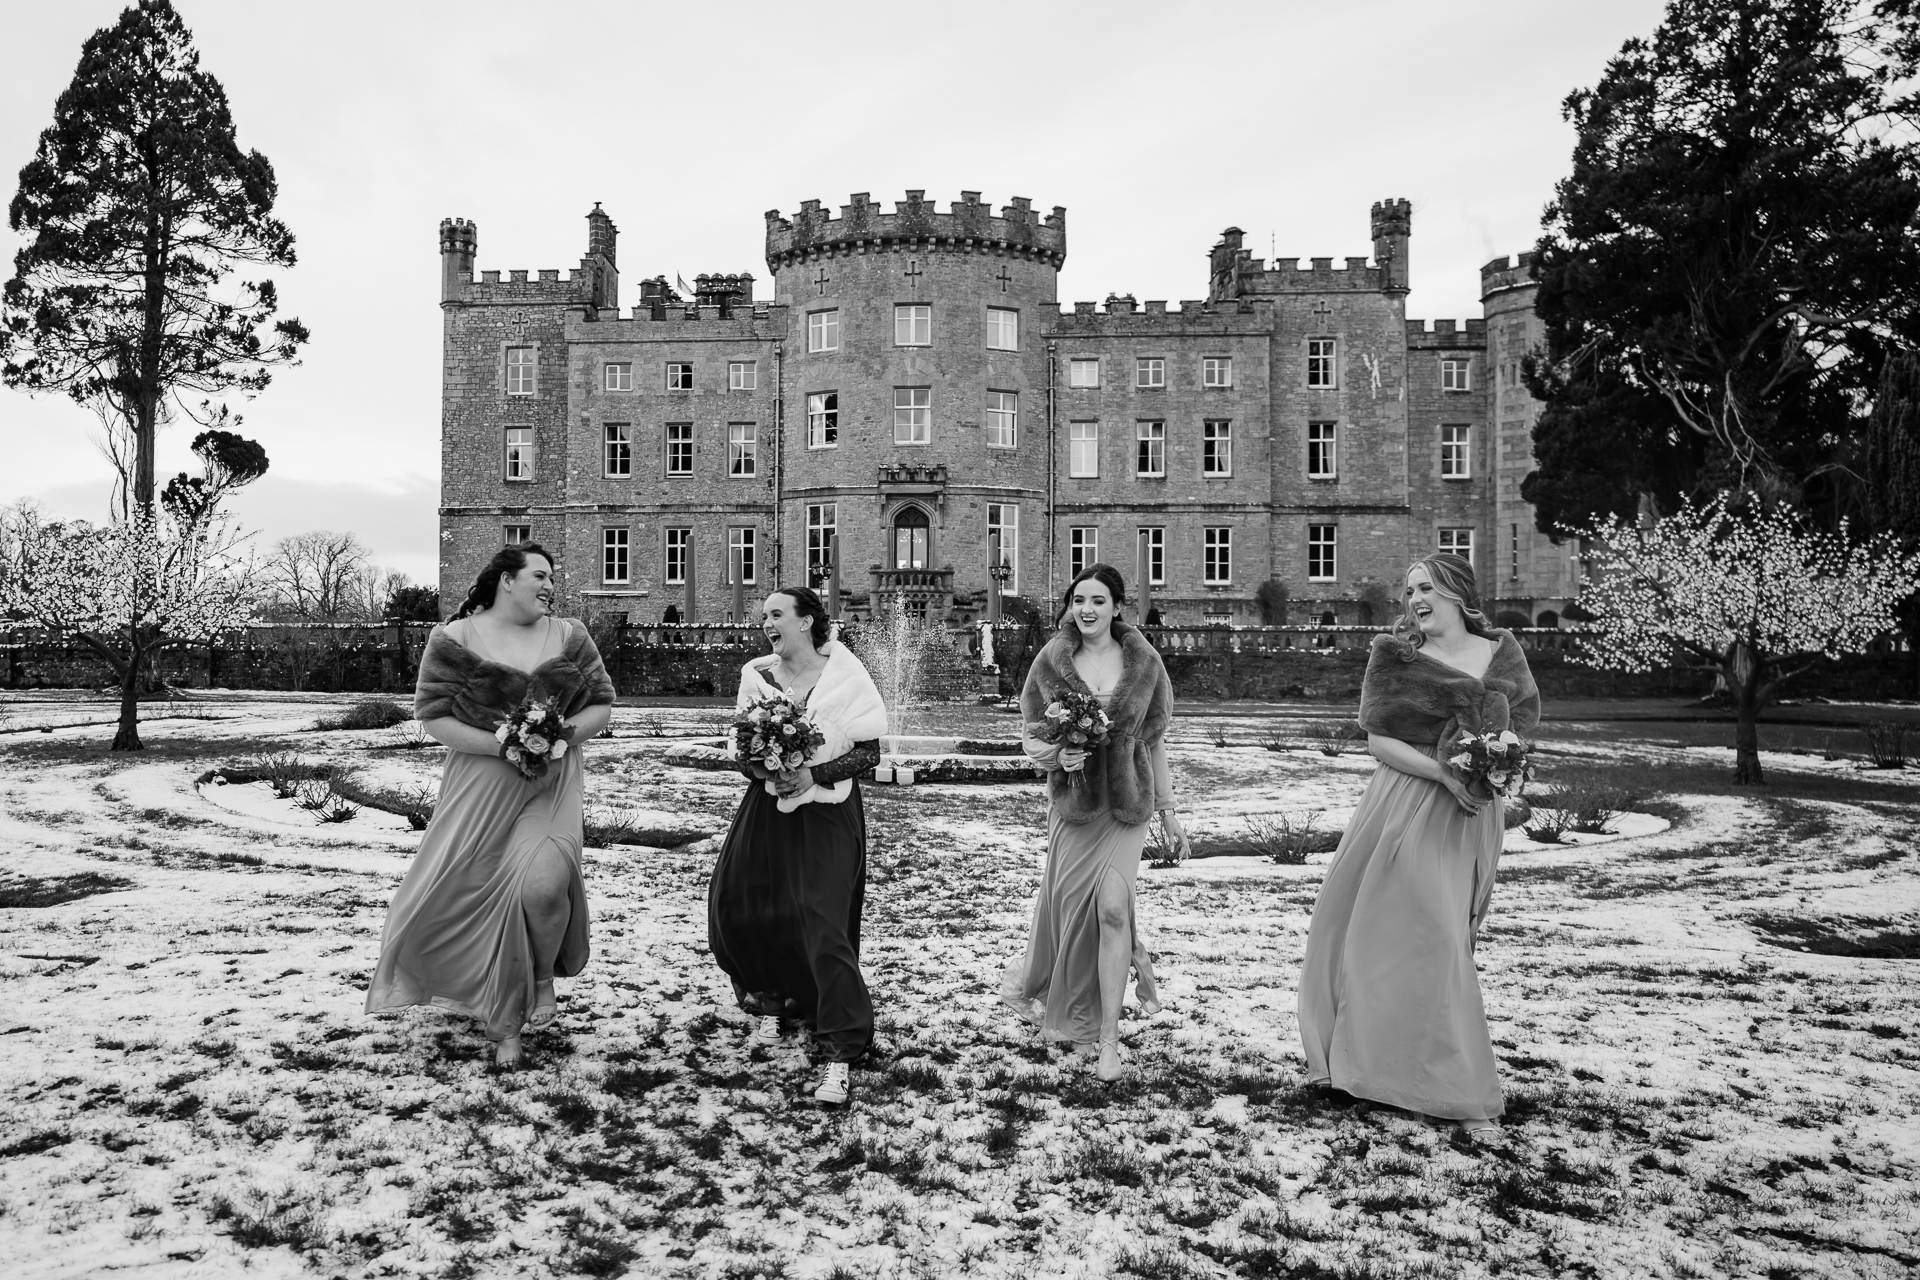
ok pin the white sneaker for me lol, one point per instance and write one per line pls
(834, 1088)
(766, 1031)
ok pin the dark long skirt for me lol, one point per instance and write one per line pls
(783, 917)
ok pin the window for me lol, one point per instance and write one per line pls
(679, 377)
(1083, 449)
(1216, 371)
(1323, 462)
(613, 556)
(823, 331)
(1320, 363)
(1322, 544)
(1453, 375)
(823, 420)
(1216, 448)
(619, 449)
(1151, 457)
(1003, 417)
(1150, 371)
(912, 325)
(913, 415)
(1218, 548)
(1153, 542)
(912, 539)
(519, 453)
(1453, 453)
(1083, 373)
(1459, 542)
(1003, 329)
(1003, 518)
(1083, 549)
(1513, 559)
(822, 524)
(519, 371)
(742, 375)
(679, 448)
(679, 548)
(619, 377)
(743, 449)
(514, 534)
(741, 546)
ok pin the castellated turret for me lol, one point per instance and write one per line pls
(1392, 226)
(459, 242)
(969, 226)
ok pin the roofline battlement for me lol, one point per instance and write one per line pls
(766, 321)
(1471, 332)
(1121, 313)
(968, 227)
(1502, 274)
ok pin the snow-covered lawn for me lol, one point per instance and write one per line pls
(188, 1086)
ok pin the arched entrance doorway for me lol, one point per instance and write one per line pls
(912, 536)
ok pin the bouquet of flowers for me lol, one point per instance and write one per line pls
(533, 737)
(1499, 761)
(1076, 720)
(774, 733)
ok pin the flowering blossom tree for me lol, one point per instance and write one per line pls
(1758, 594)
(128, 589)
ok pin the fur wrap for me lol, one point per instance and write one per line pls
(456, 681)
(1415, 697)
(845, 706)
(1118, 777)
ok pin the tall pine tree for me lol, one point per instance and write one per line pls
(139, 207)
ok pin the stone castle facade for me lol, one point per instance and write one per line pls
(914, 397)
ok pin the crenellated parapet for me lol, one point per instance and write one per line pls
(1121, 315)
(1446, 334)
(594, 284)
(692, 320)
(1503, 275)
(915, 224)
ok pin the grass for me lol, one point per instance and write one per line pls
(51, 891)
(366, 713)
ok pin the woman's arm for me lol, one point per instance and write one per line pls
(1044, 754)
(457, 734)
(861, 758)
(590, 721)
(1408, 758)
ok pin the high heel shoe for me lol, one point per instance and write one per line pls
(1112, 1063)
(546, 1006)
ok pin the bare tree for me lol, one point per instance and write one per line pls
(317, 577)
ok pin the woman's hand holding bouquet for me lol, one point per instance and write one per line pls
(533, 737)
(773, 736)
(1486, 765)
(1078, 723)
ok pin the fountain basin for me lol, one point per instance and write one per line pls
(903, 759)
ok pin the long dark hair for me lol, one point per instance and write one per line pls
(506, 560)
(1452, 577)
(1110, 579)
(806, 603)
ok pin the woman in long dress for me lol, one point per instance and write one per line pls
(1389, 1003)
(1085, 934)
(784, 902)
(494, 905)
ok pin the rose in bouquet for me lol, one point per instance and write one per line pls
(1076, 720)
(1501, 763)
(774, 733)
(533, 737)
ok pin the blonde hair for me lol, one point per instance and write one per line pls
(1452, 577)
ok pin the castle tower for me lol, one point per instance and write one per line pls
(1529, 572)
(1392, 227)
(917, 374)
(598, 266)
(459, 242)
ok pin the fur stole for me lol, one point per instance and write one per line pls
(1415, 697)
(845, 705)
(456, 681)
(1118, 777)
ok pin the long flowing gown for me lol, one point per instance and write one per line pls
(784, 906)
(1389, 1003)
(455, 935)
(1056, 985)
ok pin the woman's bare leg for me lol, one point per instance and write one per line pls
(545, 903)
(1113, 907)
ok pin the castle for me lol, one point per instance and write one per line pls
(914, 400)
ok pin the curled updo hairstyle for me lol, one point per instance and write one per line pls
(806, 603)
(507, 560)
(1108, 577)
(1452, 577)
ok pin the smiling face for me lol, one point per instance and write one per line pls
(1091, 607)
(789, 631)
(1433, 612)
(528, 594)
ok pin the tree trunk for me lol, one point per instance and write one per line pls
(1743, 675)
(128, 736)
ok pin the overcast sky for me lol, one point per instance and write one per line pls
(1155, 124)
